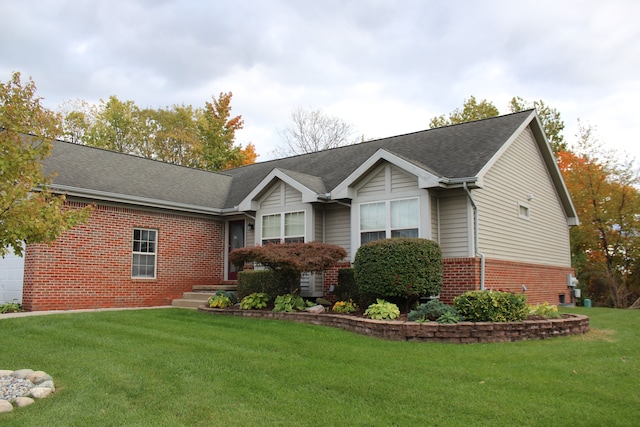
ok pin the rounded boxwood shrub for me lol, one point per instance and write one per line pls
(261, 281)
(491, 306)
(405, 268)
(346, 289)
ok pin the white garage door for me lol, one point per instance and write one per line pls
(11, 275)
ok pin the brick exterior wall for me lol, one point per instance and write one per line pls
(544, 283)
(90, 265)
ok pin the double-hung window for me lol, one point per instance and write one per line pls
(145, 244)
(287, 227)
(391, 218)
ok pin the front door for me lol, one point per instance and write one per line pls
(236, 240)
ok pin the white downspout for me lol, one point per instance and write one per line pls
(476, 243)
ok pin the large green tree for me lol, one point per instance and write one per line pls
(471, 110)
(29, 212)
(195, 137)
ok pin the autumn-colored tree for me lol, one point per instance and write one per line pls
(290, 260)
(471, 110)
(313, 130)
(29, 212)
(606, 246)
(218, 134)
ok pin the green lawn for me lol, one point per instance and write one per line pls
(171, 367)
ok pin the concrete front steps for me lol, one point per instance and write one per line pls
(200, 294)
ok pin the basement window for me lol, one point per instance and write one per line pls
(523, 211)
(145, 243)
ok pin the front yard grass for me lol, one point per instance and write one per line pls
(175, 367)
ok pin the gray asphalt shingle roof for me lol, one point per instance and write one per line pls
(457, 151)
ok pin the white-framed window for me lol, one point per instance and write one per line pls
(524, 211)
(145, 246)
(389, 218)
(283, 227)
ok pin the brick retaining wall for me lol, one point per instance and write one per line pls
(459, 333)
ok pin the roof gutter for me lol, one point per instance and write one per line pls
(140, 201)
(476, 243)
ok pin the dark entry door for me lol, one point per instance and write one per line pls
(236, 240)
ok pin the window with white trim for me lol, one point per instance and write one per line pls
(391, 218)
(523, 211)
(287, 227)
(145, 243)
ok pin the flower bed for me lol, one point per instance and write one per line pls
(399, 330)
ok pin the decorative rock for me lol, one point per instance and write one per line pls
(41, 392)
(39, 376)
(6, 373)
(23, 401)
(47, 384)
(316, 309)
(5, 406)
(323, 301)
(22, 374)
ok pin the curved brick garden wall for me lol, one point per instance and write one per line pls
(460, 333)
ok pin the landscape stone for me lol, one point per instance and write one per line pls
(5, 406)
(41, 392)
(6, 373)
(23, 374)
(47, 384)
(23, 401)
(39, 376)
(317, 309)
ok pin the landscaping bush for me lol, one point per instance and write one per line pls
(255, 300)
(346, 289)
(222, 299)
(544, 310)
(261, 281)
(382, 310)
(290, 302)
(404, 268)
(491, 306)
(430, 311)
(344, 307)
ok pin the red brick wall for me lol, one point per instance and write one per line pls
(544, 283)
(330, 278)
(90, 265)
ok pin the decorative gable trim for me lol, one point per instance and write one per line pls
(250, 203)
(346, 190)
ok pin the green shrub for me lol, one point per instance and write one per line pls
(544, 310)
(261, 281)
(382, 310)
(289, 303)
(11, 307)
(346, 289)
(220, 300)
(491, 306)
(448, 317)
(402, 268)
(431, 310)
(255, 300)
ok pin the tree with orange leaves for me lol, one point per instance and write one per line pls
(606, 246)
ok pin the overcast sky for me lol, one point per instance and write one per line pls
(386, 67)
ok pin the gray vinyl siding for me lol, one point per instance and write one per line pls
(434, 219)
(520, 176)
(337, 227)
(402, 181)
(374, 185)
(273, 198)
(318, 221)
(292, 196)
(455, 225)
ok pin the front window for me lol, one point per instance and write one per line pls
(391, 218)
(288, 227)
(144, 253)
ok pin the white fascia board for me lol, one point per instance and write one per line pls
(134, 200)
(425, 179)
(249, 203)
